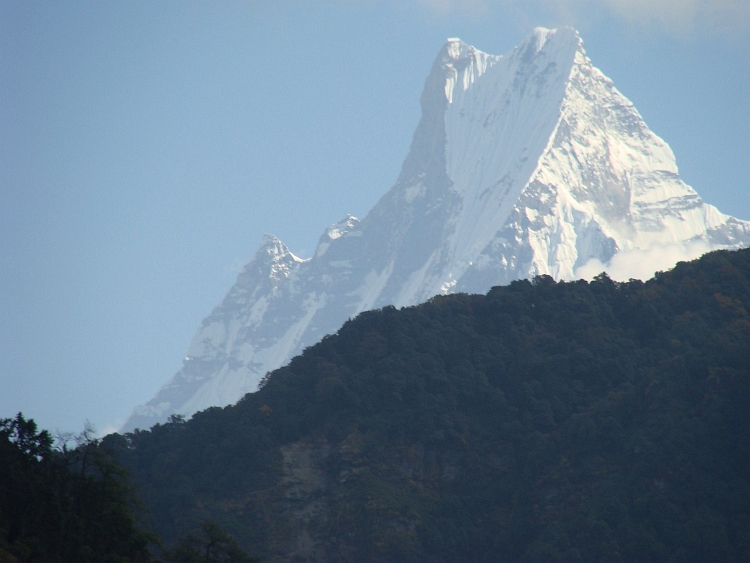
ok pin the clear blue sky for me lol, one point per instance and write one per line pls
(146, 147)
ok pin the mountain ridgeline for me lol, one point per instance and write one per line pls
(526, 164)
(544, 421)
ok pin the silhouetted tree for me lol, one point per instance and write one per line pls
(213, 546)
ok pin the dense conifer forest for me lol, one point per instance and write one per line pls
(544, 421)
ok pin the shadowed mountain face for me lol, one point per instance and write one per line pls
(545, 421)
(525, 164)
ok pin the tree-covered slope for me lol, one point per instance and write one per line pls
(544, 421)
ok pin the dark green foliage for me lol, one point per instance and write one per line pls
(543, 422)
(215, 546)
(65, 505)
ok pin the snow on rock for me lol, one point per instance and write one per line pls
(524, 164)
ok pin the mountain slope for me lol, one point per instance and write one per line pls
(545, 421)
(526, 164)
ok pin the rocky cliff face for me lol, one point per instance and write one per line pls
(524, 164)
(322, 485)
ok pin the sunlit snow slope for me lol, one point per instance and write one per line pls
(530, 163)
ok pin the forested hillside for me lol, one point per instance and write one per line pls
(542, 422)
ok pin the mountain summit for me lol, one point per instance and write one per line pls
(525, 164)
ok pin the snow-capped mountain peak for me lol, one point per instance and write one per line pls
(523, 164)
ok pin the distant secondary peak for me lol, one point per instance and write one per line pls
(335, 231)
(272, 260)
(270, 240)
(338, 229)
(271, 248)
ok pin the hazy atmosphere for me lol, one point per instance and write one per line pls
(145, 150)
